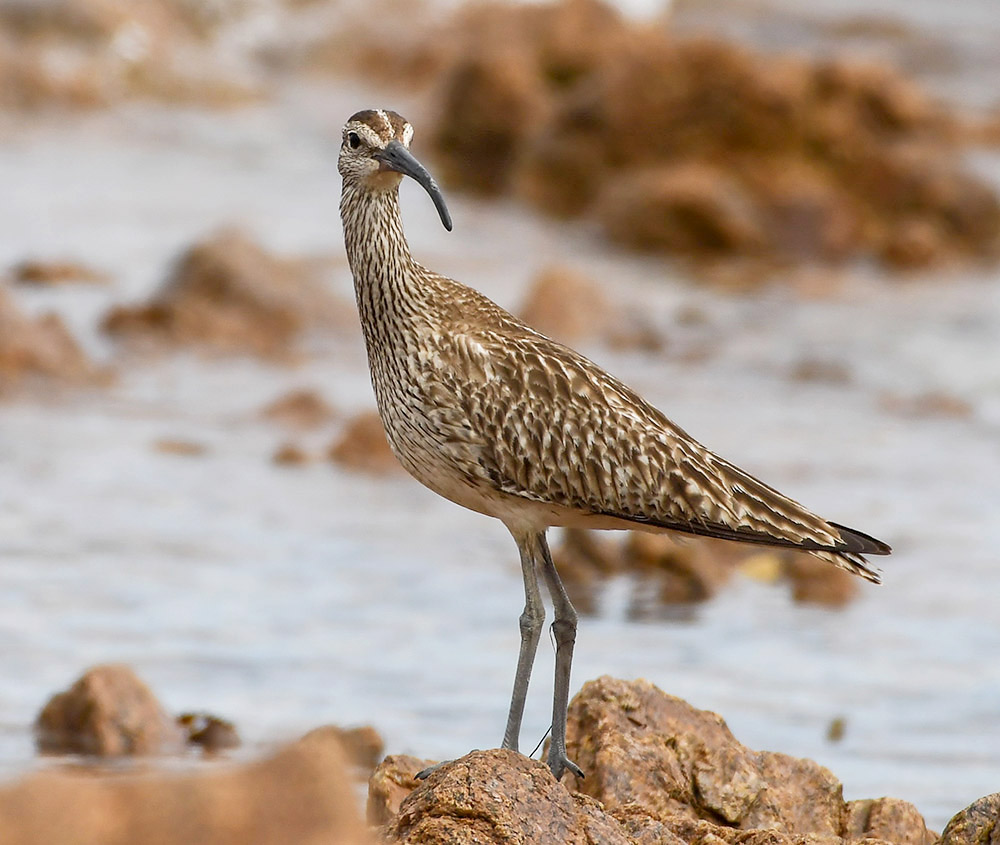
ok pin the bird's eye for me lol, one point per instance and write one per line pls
(353, 140)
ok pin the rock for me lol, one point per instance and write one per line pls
(690, 572)
(299, 409)
(914, 245)
(498, 78)
(815, 581)
(571, 308)
(290, 455)
(363, 745)
(491, 99)
(209, 732)
(176, 446)
(500, 796)
(820, 370)
(933, 403)
(691, 209)
(807, 216)
(662, 773)
(640, 747)
(888, 819)
(393, 779)
(567, 306)
(362, 446)
(700, 147)
(584, 560)
(670, 571)
(38, 272)
(39, 349)
(302, 794)
(93, 53)
(108, 712)
(977, 824)
(229, 294)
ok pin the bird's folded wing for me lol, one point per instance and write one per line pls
(543, 423)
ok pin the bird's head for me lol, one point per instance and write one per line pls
(375, 155)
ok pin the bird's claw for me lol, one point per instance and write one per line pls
(559, 763)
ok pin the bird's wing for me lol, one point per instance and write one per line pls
(544, 423)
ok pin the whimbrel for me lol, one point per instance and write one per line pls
(496, 417)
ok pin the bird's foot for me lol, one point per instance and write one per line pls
(560, 763)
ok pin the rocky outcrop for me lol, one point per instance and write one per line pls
(671, 570)
(362, 446)
(299, 409)
(658, 772)
(500, 796)
(303, 794)
(39, 350)
(229, 294)
(571, 307)
(701, 148)
(977, 824)
(108, 712)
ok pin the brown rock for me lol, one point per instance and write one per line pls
(567, 306)
(37, 272)
(229, 294)
(915, 244)
(303, 794)
(703, 148)
(638, 745)
(491, 99)
(363, 745)
(692, 209)
(39, 348)
(807, 215)
(584, 559)
(108, 712)
(501, 78)
(692, 571)
(209, 732)
(821, 370)
(393, 779)
(977, 824)
(663, 772)
(500, 796)
(74, 53)
(299, 409)
(571, 308)
(889, 819)
(814, 581)
(362, 446)
(288, 454)
(175, 446)
(671, 571)
(933, 403)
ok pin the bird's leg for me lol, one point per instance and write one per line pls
(531, 628)
(564, 630)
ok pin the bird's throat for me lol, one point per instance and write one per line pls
(385, 274)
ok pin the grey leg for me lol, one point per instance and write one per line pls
(564, 630)
(531, 628)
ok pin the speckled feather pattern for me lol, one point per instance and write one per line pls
(486, 411)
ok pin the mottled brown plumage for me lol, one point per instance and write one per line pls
(491, 414)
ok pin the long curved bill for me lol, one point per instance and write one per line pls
(396, 157)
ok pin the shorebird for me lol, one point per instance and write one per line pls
(500, 419)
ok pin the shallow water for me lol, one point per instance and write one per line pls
(286, 598)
